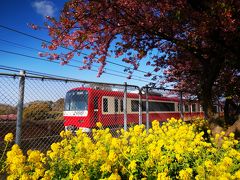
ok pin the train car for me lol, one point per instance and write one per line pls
(84, 107)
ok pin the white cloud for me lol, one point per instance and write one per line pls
(44, 8)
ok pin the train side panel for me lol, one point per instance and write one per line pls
(107, 107)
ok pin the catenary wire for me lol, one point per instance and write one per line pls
(14, 69)
(38, 50)
(70, 65)
(43, 40)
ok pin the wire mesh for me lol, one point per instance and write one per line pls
(8, 107)
(191, 107)
(159, 104)
(167, 103)
(52, 105)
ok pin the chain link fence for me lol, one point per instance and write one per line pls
(162, 104)
(36, 109)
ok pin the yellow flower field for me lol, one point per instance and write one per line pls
(175, 150)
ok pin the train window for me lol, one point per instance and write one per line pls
(121, 105)
(105, 105)
(144, 106)
(193, 107)
(116, 105)
(76, 100)
(161, 106)
(154, 106)
(135, 105)
(186, 107)
(167, 106)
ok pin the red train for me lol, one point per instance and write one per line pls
(84, 107)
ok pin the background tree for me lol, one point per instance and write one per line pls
(58, 105)
(37, 110)
(57, 109)
(7, 109)
(197, 42)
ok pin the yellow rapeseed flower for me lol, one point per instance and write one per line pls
(99, 125)
(62, 134)
(115, 142)
(132, 154)
(227, 161)
(114, 176)
(132, 166)
(55, 147)
(106, 167)
(8, 137)
(208, 164)
(231, 135)
(237, 174)
(68, 133)
(163, 176)
(112, 156)
(185, 174)
(34, 156)
(222, 133)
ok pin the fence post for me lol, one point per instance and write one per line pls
(181, 106)
(125, 106)
(140, 106)
(147, 109)
(20, 108)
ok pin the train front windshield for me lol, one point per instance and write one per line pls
(76, 100)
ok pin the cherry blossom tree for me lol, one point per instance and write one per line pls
(197, 41)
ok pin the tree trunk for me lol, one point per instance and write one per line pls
(230, 111)
(211, 70)
(226, 111)
(207, 104)
(207, 80)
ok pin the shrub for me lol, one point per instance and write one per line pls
(58, 105)
(7, 109)
(56, 115)
(36, 111)
(175, 150)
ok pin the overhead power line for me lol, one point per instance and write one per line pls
(38, 50)
(14, 69)
(43, 40)
(70, 65)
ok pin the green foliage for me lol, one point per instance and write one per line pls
(7, 109)
(36, 111)
(58, 105)
(44, 110)
(56, 115)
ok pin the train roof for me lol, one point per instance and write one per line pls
(129, 95)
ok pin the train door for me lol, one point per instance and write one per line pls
(95, 113)
(116, 110)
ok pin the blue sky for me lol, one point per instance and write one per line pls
(16, 14)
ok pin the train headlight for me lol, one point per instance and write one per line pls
(73, 129)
